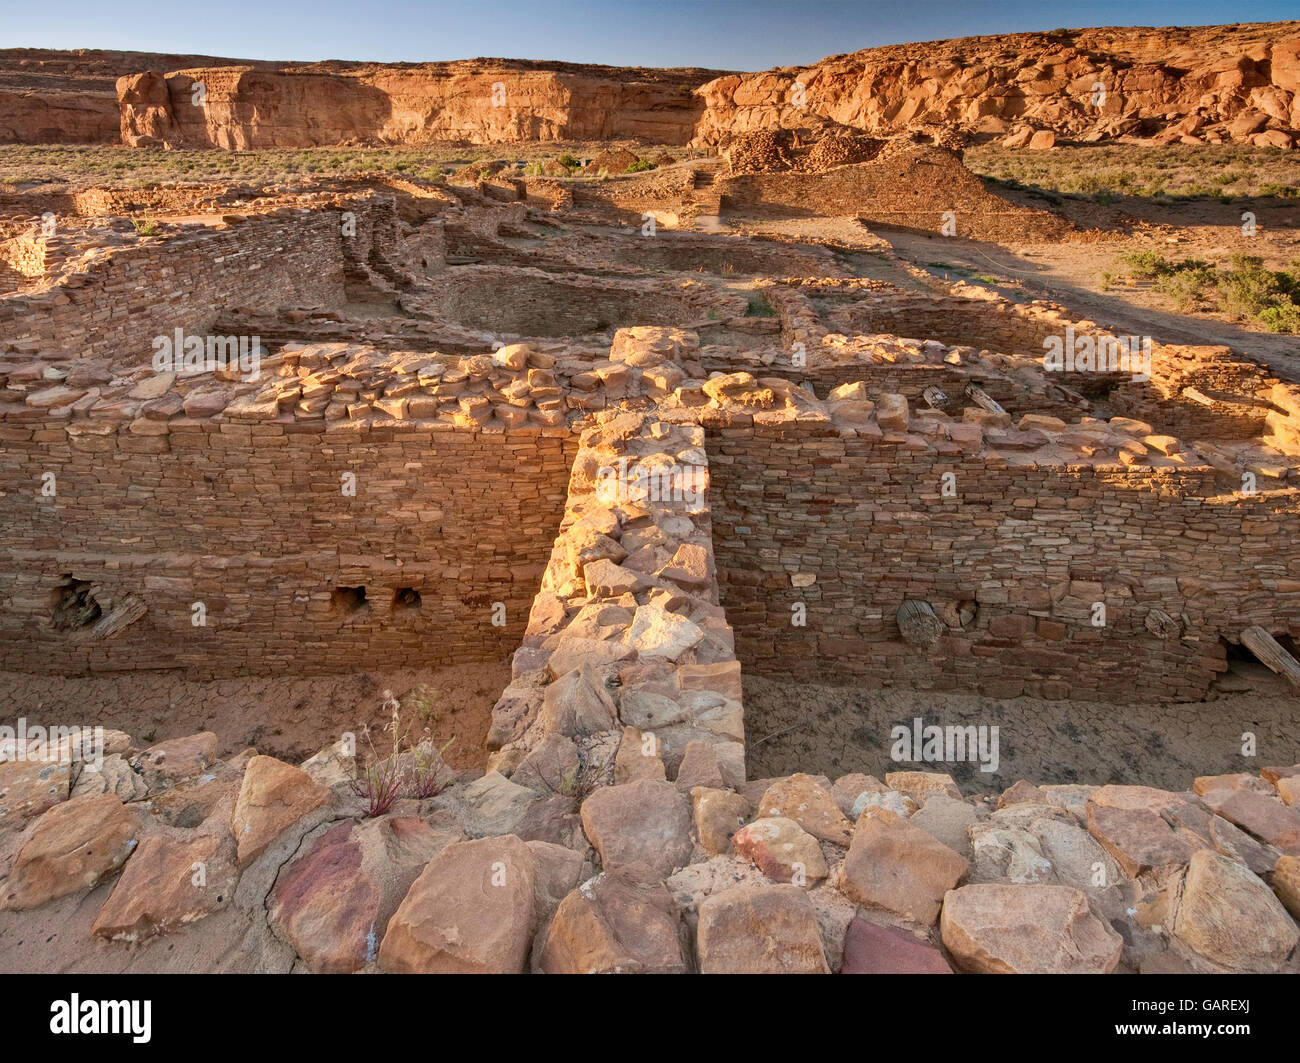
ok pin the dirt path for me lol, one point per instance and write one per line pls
(1070, 274)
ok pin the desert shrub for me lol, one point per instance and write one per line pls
(640, 166)
(1144, 264)
(1248, 288)
(758, 306)
(1284, 317)
(415, 768)
(1188, 288)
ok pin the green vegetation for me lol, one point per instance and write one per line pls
(1106, 171)
(640, 166)
(759, 306)
(105, 165)
(1245, 290)
(1278, 190)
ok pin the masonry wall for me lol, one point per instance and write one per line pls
(116, 308)
(1030, 547)
(906, 379)
(968, 322)
(250, 519)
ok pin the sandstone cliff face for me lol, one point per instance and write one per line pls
(28, 117)
(482, 103)
(57, 97)
(1204, 84)
(1219, 83)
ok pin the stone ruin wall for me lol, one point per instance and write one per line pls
(119, 302)
(639, 689)
(1184, 397)
(1028, 589)
(250, 519)
(1031, 547)
(806, 510)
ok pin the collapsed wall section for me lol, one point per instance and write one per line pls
(907, 186)
(114, 305)
(627, 670)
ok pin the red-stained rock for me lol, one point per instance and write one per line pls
(333, 903)
(870, 948)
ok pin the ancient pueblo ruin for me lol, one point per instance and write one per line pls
(660, 431)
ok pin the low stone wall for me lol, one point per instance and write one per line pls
(671, 190)
(532, 302)
(627, 670)
(996, 326)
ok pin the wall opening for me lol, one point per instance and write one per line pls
(406, 600)
(72, 605)
(345, 601)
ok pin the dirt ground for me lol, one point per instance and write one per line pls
(834, 730)
(286, 717)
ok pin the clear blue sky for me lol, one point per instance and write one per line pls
(723, 34)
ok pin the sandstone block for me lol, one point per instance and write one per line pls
(471, 911)
(759, 930)
(1027, 929)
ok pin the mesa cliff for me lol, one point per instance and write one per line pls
(1202, 84)
(483, 101)
(1207, 84)
(70, 97)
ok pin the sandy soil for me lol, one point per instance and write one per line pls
(56, 939)
(833, 730)
(286, 717)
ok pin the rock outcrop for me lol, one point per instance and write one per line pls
(482, 101)
(1206, 84)
(1203, 84)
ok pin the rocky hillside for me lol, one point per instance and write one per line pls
(1198, 85)
(1202, 84)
